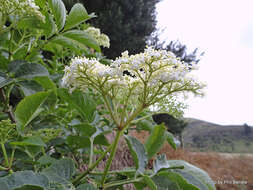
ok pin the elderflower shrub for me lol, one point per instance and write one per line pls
(153, 76)
(21, 8)
(102, 39)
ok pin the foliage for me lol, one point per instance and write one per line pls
(134, 24)
(47, 132)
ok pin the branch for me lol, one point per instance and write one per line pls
(9, 108)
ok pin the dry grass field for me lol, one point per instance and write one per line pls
(224, 168)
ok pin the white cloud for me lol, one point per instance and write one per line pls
(218, 28)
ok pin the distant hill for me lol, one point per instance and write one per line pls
(205, 136)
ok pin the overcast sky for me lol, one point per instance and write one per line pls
(224, 30)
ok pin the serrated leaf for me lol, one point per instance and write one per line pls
(64, 168)
(80, 101)
(101, 140)
(170, 140)
(30, 70)
(24, 178)
(160, 163)
(40, 3)
(77, 15)
(85, 129)
(29, 108)
(45, 82)
(49, 25)
(29, 87)
(149, 182)
(66, 42)
(145, 125)
(13, 66)
(179, 180)
(59, 11)
(164, 183)
(30, 141)
(78, 142)
(156, 140)
(5, 81)
(29, 187)
(30, 22)
(138, 153)
(81, 38)
(86, 186)
(45, 160)
(193, 175)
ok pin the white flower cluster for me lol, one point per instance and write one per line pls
(152, 75)
(101, 39)
(21, 8)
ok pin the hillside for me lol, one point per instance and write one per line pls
(205, 136)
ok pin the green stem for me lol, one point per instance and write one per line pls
(80, 177)
(121, 182)
(12, 156)
(3, 168)
(5, 155)
(43, 151)
(112, 154)
(91, 152)
(109, 108)
(114, 172)
(134, 115)
(8, 108)
(10, 53)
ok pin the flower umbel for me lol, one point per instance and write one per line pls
(101, 39)
(21, 8)
(152, 76)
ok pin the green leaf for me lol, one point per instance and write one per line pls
(156, 140)
(85, 129)
(160, 163)
(30, 141)
(139, 185)
(30, 23)
(80, 101)
(29, 187)
(86, 186)
(164, 183)
(45, 160)
(40, 3)
(59, 11)
(193, 175)
(45, 82)
(81, 38)
(29, 108)
(67, 43)
(13, 66)
(178, 179)
(4, 81)
(30, 70)
(78, 142)
(149, 182)
(145, 125)
(77, 15)
(64, 169)
(29, 87)
(49, 25)
(170, 140)
(138, 153)
(101, 140)
(22, 179)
